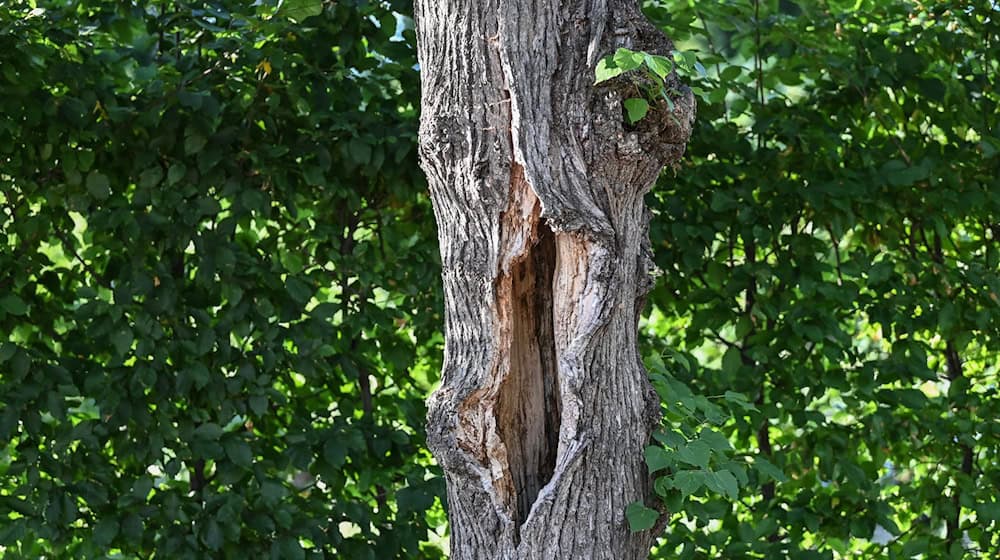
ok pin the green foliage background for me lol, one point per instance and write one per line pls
(220, 305)
(210, 344)
(831, 250)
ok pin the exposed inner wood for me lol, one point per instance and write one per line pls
(528, 404)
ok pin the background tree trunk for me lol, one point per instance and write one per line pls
(538, 187)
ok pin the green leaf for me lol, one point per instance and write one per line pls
(132, 527)
(334, 452)
(640, 517)
(686, 60)
(122, 341)
(660, 65)
(190, 100)
(13, 305)
(732, 361)
(723, 482)
(988, 511)
(627, 59)
(258, 404)
(176, 173)
(768, 469)
(299, 10)
(6, 348)
(151, 177)
(688, 482)
(361, 151)
(238, 451)
(715, 441)
(272, 492)
(681, 360)
(657, 458)
(730, 73)
(193, 143)
(105, 531)
(85, 160)
(695, 453)
(912, 398)
(411, 499)
(739, 399)
(313, 175)
(212, 535)
(606, 70)
(915, 546)
(98, 185)
(636, 108)
(209, 431)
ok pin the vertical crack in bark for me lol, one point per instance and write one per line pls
(528, 404)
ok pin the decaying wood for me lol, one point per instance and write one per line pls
(538, 185)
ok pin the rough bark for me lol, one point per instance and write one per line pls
(538, 185)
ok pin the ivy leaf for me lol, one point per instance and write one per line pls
(640, 517)
(636, 108)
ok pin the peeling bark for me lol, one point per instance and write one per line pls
(538, 185)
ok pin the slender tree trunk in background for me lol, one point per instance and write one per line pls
(538, 187)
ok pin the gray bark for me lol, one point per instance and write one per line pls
(538, 183)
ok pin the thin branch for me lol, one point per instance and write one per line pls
(836, 253)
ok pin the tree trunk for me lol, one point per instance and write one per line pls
(538, 183)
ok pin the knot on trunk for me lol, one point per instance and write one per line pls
(446, 138)
(660, 136)
(664, 132)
